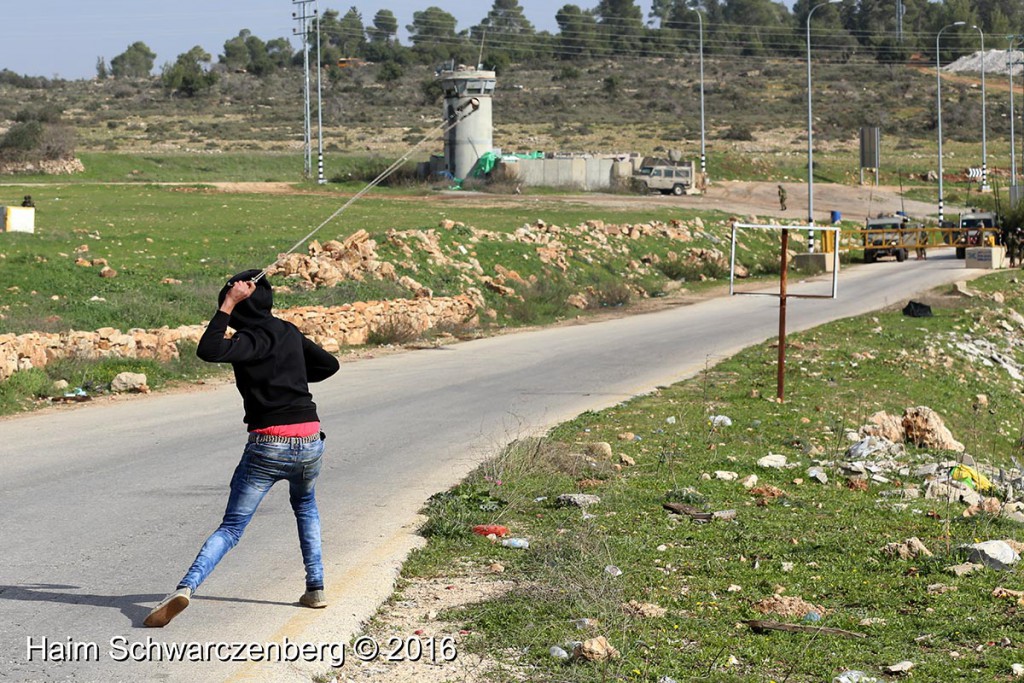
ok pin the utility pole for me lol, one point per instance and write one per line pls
(319, 106)
(303, 30)
(900, 11)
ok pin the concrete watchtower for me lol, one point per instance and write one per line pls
(473, 136)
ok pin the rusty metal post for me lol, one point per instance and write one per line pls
(781, 383)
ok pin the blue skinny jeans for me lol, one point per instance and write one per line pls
(263, 464)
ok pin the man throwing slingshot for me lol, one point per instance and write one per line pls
(273, 363)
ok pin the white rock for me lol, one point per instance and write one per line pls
(992, 554)
(772, 460)
(817, 474)
(900, 667)
(128, 381)
(873, 447)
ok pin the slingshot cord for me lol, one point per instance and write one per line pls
(463, 111)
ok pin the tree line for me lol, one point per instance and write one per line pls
(853, 29)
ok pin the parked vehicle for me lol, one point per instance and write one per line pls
(890, 236)
(974, 230)
(678, 179)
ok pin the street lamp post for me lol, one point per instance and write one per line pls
(703, 157)
(984, 119)
(1013, 149)
(810, 133)
(938, 107)
(319, 107)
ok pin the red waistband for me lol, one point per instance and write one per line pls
(292, 431)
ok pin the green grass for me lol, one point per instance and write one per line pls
(29, 389)
(173, 247)
(149, 233)
(838, 374)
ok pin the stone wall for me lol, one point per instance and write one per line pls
(332, 328)
(47, 166)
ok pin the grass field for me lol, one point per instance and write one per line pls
(173, 245)
(151, 232)
(818, 542)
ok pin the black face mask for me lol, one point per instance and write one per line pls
(256, 309)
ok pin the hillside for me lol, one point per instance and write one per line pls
(606, 105)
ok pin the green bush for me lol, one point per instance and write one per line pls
(21, 141)
(606, 291)
(542, 301)
(737, 132)
(389, 72)
(395, 330)
(691, 272)
(19, 390)
(454, 513)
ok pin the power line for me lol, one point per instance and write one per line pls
(717, 40)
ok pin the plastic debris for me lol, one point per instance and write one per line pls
(488, 529)
(585, 623)
(993, 554)
(517, 543)
(613, 570)
(557, 652)
(720, 421)
(854, 677)
(76, 395)
(970, 476)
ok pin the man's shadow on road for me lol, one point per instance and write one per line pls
(134, 607)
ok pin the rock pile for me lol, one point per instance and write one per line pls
(37, 349)
(330, 327)
(47, 166)
(352, 324)
(357, 256)
(920, 425)
(332, 262)
(451, 245)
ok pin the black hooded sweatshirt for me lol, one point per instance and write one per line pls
(272, 360)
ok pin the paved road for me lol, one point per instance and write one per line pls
(104, 506)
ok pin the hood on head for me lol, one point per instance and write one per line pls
(254, 310)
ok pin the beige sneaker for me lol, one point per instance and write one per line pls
(169, 607)
(316, 599)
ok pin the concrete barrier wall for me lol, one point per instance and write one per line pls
(582, 173)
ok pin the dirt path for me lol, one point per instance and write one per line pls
(741, 198)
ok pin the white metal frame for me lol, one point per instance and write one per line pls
(757, 226)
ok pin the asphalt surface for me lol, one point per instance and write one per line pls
(104, 506)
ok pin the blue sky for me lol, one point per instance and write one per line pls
(63, 38)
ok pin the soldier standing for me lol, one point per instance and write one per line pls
(1013, 238)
